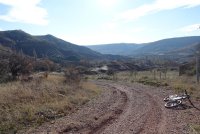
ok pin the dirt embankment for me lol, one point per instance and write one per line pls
(125, 109)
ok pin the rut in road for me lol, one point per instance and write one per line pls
(140, 115)
(120, 109)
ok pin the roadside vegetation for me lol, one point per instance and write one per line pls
(169, 79)
(28, 104)
(194, 129)
(29, 98)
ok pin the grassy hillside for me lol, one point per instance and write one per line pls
(47, 45)
(169, 45)
(28, 104)
(172, 46)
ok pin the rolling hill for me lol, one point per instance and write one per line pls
(169, 45)
(175, 46)
(58, 50)
(48, 46)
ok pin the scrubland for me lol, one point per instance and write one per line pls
(170, 79)
(29, 104)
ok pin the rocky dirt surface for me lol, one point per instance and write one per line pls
(125, 109)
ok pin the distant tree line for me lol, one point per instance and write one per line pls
(15, 64)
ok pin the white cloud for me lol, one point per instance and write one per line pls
(158, 5)
(137, 30)
(25, 11)
(107, 3)
(190, 28)
(110, 25)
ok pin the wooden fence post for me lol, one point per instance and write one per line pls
(197, 67)
(160, 75)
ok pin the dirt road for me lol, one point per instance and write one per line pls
(125, 109)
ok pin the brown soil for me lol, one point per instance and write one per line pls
(125, 109)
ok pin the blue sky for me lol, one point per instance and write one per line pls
(90, 22)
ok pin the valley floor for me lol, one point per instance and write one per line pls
(126, 109)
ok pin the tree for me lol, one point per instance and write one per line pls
(34, 54)
(197, 53)
(19, 65)
(4, 71)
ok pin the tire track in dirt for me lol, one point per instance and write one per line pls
(142, 113)
(91, 117)
(122, 109)
(113, 116)
(153, 118)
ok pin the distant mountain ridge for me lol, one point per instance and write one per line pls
(161, 47)
(168, 45)
(59, 50)
(49, 46)
(116, 48)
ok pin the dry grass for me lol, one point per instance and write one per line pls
(194, 129)
(172, 79)
(30, 104)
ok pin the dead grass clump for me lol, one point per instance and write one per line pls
(195, 129)
(152, 82)
(31, 103)
(171, 79)
(72, 76)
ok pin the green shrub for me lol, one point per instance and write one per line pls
(147, 81)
